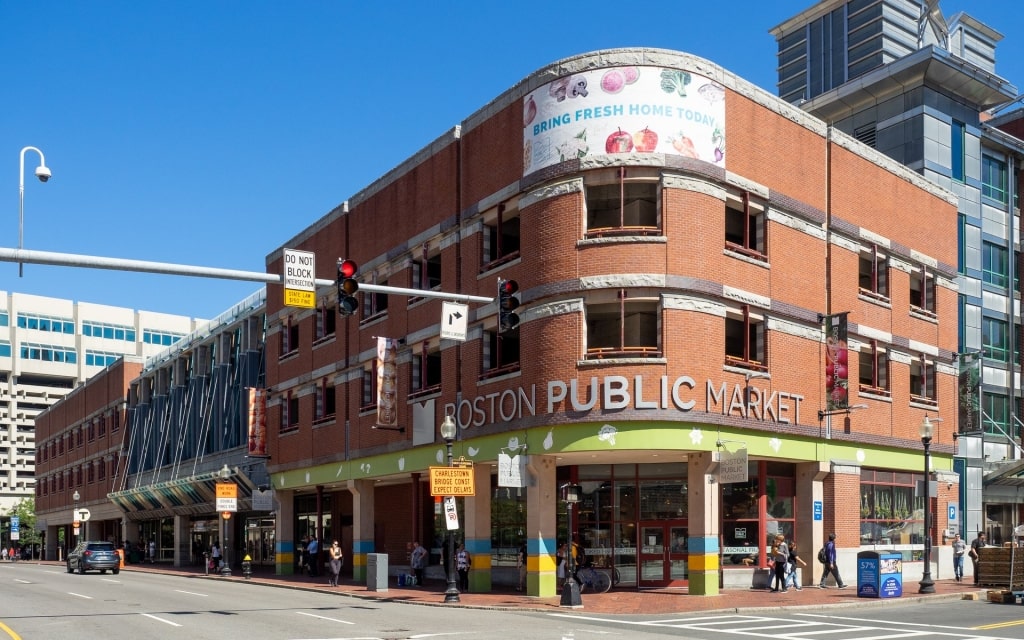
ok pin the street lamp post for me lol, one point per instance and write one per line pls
(448, 431)
(225, 474)
(76, 497)
(571, 588)
(43, 173)
(927, 585)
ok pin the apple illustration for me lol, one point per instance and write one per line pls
(646, 141)
(619, 142)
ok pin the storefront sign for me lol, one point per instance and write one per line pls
(733, 466)
(510, 470)
(613, 393)
(452, 481)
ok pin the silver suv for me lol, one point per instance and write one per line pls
(89, 556)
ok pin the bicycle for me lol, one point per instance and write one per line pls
(594, 579)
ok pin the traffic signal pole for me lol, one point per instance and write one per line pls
(168, 268)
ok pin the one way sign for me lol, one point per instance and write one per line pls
(454, 318)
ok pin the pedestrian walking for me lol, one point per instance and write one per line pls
(791, 566)
(313, 548)
(976, 545)
(521, 565)
(830, 564)
(959, 548)
(780, 558)
(336, 558)
(215, 554)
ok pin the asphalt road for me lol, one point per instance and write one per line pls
(44, 602)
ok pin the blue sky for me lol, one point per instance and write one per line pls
(208, 133)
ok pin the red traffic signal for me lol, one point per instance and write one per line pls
(507, 304)
(348, 286)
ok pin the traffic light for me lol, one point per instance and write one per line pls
(508, 319)
(347, 287)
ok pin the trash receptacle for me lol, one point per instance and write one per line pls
(376, 572)
(879, 575)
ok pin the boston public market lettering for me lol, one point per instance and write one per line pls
(613, 393)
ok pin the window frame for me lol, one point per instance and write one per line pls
(623, 309)
(923, 388)
(632, 192)
(876, 277)
(880, 370)
(996, 275)
(753, 241)
(500, 353)
(754, 335)
(501, 239)
(994, 178)
(426, 371)
(922, 296)
(995, 347)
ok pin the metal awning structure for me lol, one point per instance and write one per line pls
(194, 495)
(1009, 475)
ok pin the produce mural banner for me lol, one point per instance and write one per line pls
(969, 386)
(837, 377)
(257, 422)
(624, 110)
(387, 382)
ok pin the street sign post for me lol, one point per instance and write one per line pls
(227, 497)
(299, 279)
(454, 319)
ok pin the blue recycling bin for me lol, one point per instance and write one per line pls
(879, 575)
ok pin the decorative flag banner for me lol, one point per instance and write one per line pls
(837, 377)
(387, 382)
(969, 385)
(510, 470)
(257, 422)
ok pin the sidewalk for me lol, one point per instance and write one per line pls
(618, 601)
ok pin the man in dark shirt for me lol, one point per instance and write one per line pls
(975, 554)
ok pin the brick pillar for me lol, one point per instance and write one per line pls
(703, 516)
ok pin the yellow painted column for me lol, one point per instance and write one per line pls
(284, 545)
(362, 526)
(478, 530)
(541, 527)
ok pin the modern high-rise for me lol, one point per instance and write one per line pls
(899, 77)
(50, 346)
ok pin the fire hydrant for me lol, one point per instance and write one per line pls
(247, 567)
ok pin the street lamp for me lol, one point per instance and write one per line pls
(225, 520)
(927, 586)
(570, 589)
(448, 430)
(43, 173)
(76, 497)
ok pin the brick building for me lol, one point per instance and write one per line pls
(683, 242)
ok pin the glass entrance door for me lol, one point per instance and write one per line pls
(663, 554)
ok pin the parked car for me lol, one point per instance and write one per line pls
(89, 556)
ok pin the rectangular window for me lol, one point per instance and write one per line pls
(995, 265)
(961, 243)
(745, 228)
(289, 413)
(325, 401)
(625, 207)
(995, 339)
(500, 239)
(369, 388)
(500, 353)
(289, 336)
(625, 328)
(874, 370)
(995, 413)
(426, 272)
(958, 134)
(426, 371)
(922, 382)
(375, 304)
(922, 292)
(874, 274)
(891, 510)
(993, 178)
(745, 340)
(326, 321)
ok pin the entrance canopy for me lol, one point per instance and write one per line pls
(193, 495)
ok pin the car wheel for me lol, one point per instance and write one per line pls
(81, 568)
(115, 571)
(70, 570)
(103, 572)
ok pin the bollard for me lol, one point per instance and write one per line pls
(247, 567)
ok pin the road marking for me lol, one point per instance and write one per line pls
(193, 593)
(9, 631)
(1000, 625)
(111, 580)
(311, 615)
(79, 595)
(159, 619)
(22, 581)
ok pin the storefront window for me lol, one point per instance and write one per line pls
(890, 514)
(508, 523)
(744, 530)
